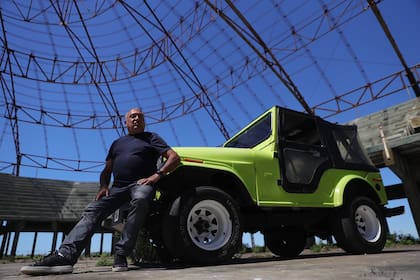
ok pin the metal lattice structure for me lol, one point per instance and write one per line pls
(200, 70)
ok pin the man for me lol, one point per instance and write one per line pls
(132, 160)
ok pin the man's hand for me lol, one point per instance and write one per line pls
(172, 161)
(103, 191)
(149, 180)
(104, 180)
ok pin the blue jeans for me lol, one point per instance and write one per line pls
(139, 196)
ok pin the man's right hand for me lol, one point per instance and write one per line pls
(103, 191)
(104, 180)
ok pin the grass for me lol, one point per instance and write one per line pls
(105, 260)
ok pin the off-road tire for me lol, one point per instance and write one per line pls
(360, 226)
(203, 226)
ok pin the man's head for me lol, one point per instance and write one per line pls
(134, 120)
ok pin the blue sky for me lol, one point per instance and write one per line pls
(329, 55)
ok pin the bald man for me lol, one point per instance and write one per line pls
(132, 160)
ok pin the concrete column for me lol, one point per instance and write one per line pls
(54, 240)
(15, 243)
(409, 173)
(102, 244)
(34, 244)
(3, 251)
(9, 236)
(19, 226)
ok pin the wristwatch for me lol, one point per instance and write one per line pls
(160, 173)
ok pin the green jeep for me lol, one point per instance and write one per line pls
(289, 175)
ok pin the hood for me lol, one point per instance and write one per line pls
(214, 155)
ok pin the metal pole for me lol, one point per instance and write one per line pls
(388, 34)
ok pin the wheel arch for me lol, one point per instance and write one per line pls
(188, 177)
(354, 186)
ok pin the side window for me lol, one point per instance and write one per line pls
(300, 129)
(349, 145)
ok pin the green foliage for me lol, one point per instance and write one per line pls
(105, 260)
(247, 249)
(9, 259)
(260, 249)
(322, 247)
(403, 239)
(392, 240)
(316, 248)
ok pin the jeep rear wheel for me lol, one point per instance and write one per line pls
(203, 226)
(285, 242)
(360, 226)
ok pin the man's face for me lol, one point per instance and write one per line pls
(134, 121)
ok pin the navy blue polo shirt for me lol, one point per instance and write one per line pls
(135, 157)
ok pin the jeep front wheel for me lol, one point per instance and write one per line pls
(203, 226)
(360, 226)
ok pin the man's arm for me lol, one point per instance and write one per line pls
(172, 161)
(104, 180)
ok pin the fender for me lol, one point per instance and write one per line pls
(370, 183)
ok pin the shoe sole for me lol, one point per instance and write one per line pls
(119, 268)
(44, 270)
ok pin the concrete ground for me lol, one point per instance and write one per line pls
(393, 263)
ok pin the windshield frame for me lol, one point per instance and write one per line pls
(254, 133)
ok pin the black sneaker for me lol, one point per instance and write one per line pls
(54, 263)
(120, 263)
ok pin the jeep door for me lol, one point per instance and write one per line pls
(303, 156)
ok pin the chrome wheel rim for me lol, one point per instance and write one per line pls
(367, 223)
(209, 225)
